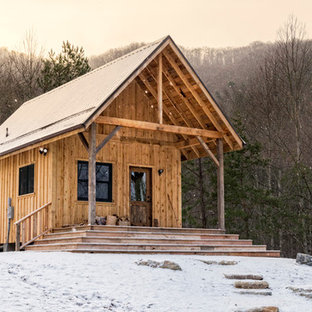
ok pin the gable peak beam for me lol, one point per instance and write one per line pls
(147, 85)
(159, 90)
(195, 94)
(170, 116)
(209, 97)
(185, 100)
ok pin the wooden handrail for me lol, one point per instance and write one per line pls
(32, 213)
(36, 222)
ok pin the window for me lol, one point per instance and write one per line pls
(26, 180)
(103, 181)
(138, 186)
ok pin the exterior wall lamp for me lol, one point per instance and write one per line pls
(160, 171)
(43, 150)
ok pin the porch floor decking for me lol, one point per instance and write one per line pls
(148, 240)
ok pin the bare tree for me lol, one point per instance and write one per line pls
(25, 68)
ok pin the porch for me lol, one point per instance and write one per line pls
(148, 240)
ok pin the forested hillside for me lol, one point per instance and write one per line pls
(266, 91)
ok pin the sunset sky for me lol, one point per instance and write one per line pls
(99, 25)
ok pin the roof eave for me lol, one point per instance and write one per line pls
(34, 143)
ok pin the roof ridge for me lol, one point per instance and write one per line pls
(96, 69)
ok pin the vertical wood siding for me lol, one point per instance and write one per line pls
(166, 188)
(9, 181)
(56, 173)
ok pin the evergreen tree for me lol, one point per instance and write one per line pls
(59, 69)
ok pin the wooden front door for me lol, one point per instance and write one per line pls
(141, 196)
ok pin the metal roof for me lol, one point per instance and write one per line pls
(73, 105)
(70, 105)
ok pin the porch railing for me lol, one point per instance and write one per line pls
(32, 226)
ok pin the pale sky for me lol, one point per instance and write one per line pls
(99, 25)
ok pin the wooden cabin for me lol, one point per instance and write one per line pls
(111, 142)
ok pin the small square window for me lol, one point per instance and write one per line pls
(26, 180)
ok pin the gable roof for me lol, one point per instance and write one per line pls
(72, 105)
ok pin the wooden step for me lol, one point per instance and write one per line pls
(129, 246)
(138, 229)
(141, 240)
(244, 253)
(107, 233)
(148, 240)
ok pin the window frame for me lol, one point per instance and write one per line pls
(30, 190)
(109, 183)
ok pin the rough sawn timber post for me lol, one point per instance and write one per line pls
(160, 91)
(220, 176)
(92, 175)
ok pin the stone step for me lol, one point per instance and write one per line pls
(166, 234)
(109, 246)
(138, 229)
(243, 253)
(142, 240)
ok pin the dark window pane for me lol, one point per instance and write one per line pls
(102, 173)
(83, 190)
(26, 179)
(82, 171)
(101, 191)
(103, 181)
(31, 178)
(138, 186)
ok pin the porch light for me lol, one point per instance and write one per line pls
(160, 171)
(43, 150)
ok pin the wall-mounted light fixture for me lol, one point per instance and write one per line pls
(43, 150)
(160, 171)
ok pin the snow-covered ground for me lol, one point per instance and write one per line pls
(32, 281)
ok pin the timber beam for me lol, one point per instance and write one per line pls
(191, 142)
(144, 125)
(160, 90)
(83, 140)
(220, 183)
(92, 175)
(196, 96)
(170, 116)
(208, 151)
(107, 139)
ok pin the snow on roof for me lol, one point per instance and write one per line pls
(69, 106)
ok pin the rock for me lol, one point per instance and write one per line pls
(262, 309)
(300, 289)
(163, 265)
(208, 262)
(304, 259)
(257, 293)
(223, 262)
(244, 276)
(170, 265)
(150, 263)
(304, 292)
(252, 285)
